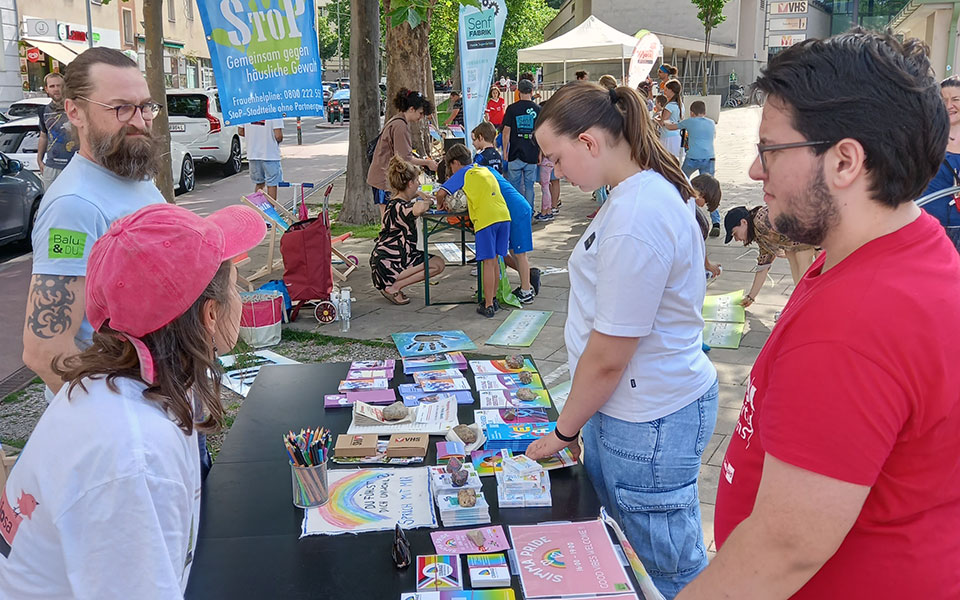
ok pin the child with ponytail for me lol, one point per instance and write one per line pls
(643, 393)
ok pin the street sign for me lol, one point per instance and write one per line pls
(788, 24)
(795, 7)
(34, 55)
(786, 40)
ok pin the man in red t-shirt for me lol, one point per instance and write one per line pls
(842, 478)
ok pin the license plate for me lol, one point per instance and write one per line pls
(177, 127)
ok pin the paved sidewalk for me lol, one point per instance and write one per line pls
(375, 319)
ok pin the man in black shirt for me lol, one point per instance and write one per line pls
(519, 146)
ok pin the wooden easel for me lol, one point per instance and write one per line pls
(279, 218)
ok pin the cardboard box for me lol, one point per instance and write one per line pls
(408, 444)
(356, 445)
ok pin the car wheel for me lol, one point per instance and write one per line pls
(233, 164)
(188, 175)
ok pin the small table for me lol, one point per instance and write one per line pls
(248, 543)
(435, 221)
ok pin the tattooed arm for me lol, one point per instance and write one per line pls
(55, 308)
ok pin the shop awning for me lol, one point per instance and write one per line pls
(55, 49)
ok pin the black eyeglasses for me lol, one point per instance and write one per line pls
(773, 147)
(125, 112)
(401, 549)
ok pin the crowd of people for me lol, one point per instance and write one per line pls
(839, 480)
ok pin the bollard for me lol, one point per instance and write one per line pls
(299, 133)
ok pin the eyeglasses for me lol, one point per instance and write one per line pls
(401, 549)
(761, 149)
(125, 112)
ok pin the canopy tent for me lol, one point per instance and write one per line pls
(592, 40)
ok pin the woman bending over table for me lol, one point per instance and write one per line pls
(395, 261)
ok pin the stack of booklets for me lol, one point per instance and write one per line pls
(495, 367)
(516, 436)
(443, 380)
(413, 395)
(510, 415)
(388, 364)
(454, 515)
(441, 481)
(432, 362)
(488, 570)
(522, 483)
(509, 381)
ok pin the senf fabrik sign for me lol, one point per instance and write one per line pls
(796, 7)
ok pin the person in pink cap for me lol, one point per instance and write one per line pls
(104, 501)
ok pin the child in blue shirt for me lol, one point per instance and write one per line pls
(700, 153)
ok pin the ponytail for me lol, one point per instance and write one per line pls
(620, 112)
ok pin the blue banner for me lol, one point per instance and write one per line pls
(265, 58)
(479, 37)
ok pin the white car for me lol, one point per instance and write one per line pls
(197, 123)
(28, 107)
(18, 141)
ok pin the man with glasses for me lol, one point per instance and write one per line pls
(840, 480)
(111, 112)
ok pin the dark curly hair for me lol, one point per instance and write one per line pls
(405, 100)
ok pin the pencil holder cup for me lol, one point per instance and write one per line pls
(310, 485)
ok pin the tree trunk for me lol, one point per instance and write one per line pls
(703, 59)
(408, 66)
(457, 85)
(153, 32)
(358, 206)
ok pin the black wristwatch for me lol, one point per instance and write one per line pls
(564, 438)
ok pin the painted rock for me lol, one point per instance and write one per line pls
(514, 361)
(467, 498)
(465, 433)
(459, 478)
(510, 414)
(395, 412)
(526, 394)
(525, 377)
(453, 465)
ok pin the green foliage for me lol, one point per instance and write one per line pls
(415, 12)
(556, 4)
(710, 12)
(327, 38)
(337, 14)
(526, 20)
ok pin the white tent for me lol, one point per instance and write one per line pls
(592, 40)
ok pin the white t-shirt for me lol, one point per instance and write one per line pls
(261, 145)
(638, 272)
(104, 501)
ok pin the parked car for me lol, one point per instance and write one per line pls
(328, 90)
(18, 141)
(339, 103)
(28, 107)
(20, 194)
(196, 121)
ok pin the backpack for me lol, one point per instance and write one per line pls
(372, 146)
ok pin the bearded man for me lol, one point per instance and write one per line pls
(57, 143)
(110, 109)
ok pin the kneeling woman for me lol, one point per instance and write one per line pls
(104, 501)
(643, 391)
(395, 261)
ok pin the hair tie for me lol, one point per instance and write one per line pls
(614, 98)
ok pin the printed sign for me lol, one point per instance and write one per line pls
(796, 7)
(479, 38)
(265, 57)
(645, 54)
(785, 41)
(788, 24)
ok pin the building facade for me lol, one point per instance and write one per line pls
(936, 24)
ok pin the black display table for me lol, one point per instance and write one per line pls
(249, 544)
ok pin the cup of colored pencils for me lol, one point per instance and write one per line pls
(308, 452)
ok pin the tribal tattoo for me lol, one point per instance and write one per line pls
(52, 302)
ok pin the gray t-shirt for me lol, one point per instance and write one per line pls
(77, 209)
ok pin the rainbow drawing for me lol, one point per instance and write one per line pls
(342, 510)
(554, 558)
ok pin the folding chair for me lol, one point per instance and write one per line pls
(279, 218)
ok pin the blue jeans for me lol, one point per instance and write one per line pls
(646, 477)
(704, 165)
(522, 175)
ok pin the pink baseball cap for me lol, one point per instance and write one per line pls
(152, 265)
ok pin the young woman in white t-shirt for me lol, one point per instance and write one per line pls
(643, 393)
(104, 501)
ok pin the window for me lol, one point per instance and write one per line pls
(188, 9)
(128, 39)
(172, 10)
(187, 105)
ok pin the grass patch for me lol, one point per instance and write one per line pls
(300, 336)
(15, 443)
(228, 421)
(20, 395)
(367, 232)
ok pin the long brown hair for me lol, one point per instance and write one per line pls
(400, 173)
(183, 358)
(620, 112)
(674, 86)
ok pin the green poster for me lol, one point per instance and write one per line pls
(722, 335)
(725, 308)
(520, 328)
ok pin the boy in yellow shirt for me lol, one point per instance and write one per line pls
(488, 211)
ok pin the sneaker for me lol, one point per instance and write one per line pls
(473, 271)
(535, 280)
(593, 214)
(715, 230)
(542, 218)
(525, 297)
(487, 311)
(555, 210)
(705, 347)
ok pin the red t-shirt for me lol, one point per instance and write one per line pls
(858, 382)
(495, 110)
